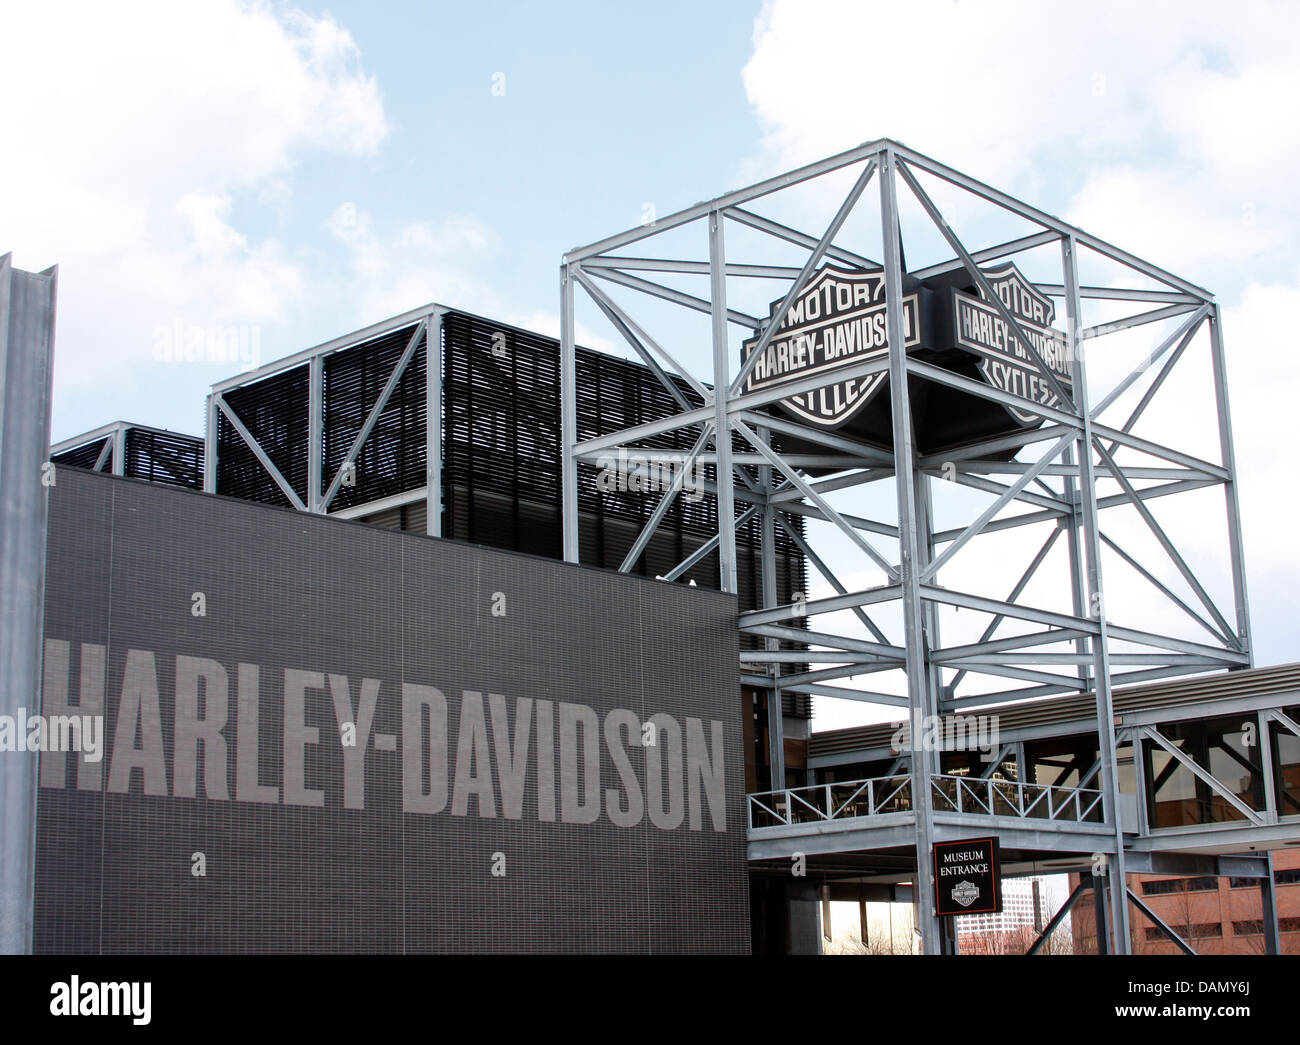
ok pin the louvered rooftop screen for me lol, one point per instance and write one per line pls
(501, 450)
(171, 458)
(164, 457)
(84, 456)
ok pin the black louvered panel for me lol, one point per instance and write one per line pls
(275, 413)
(392, 458)
(81, 456)
(164, 457)
(612, 395)
(501, 436)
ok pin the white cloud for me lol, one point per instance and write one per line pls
(421, 262)
(143, 126)
(432, 261)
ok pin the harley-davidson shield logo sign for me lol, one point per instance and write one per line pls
(1003, 360)
(837, 320)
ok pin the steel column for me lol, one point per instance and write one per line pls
(1099, 907)
(568, 419)
(433, 428)
(27, 311)
(210, 446)
(722, 427)
(1101, 641)
(315, 431)
(1229, 461)
(911, 565)
(775, 709)
(119, 450)
(1268, 907)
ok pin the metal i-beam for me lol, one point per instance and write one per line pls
(811, 511)
(315, 431)
(1225, 630)
(1228, 455)
(1003, 250)
(1166, 369)
(1181, 944)
(812, 607)
(210, 445)
(698, 268)
(775, 703)
(1155, 581)
(831, 514)
(259, 453)
(119, 450)
(1186, 332)
(568, 419)
(727, 574)
(643, 344)
(677, 297)
(1089, 530)
(799, 239)
(730, 199)
(27, 312)
(982, 390)
(665, 503)
(1047, 221)
(1016, 589)
(1057, 918)
(801, 280)
(975, 527)
(1209, 779)
(830, 577)
(375, 412)
(923, 702)
(705, 549)
(1116, 325)
(105, 454)
(981, 281)
(433, 429)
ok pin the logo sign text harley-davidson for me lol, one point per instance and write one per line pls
(837, 320)
(1003, 359)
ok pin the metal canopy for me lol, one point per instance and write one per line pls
(1070, 475)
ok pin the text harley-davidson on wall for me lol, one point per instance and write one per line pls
(549, 751)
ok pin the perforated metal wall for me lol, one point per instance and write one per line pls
(550, 826)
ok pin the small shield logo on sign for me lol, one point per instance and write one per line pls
(965, 893)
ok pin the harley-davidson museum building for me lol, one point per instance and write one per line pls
(352, 698)
(331, 732)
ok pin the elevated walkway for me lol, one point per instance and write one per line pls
(1211, 768)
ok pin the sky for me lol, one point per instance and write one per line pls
(267, 176)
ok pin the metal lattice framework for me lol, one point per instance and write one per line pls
(1056, 479)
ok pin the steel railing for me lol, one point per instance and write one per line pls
(877, 796)
(839, 801)
(959, 794)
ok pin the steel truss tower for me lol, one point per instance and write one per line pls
(1052, 477)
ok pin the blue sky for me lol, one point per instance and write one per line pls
(605, 107)
(296, 172)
